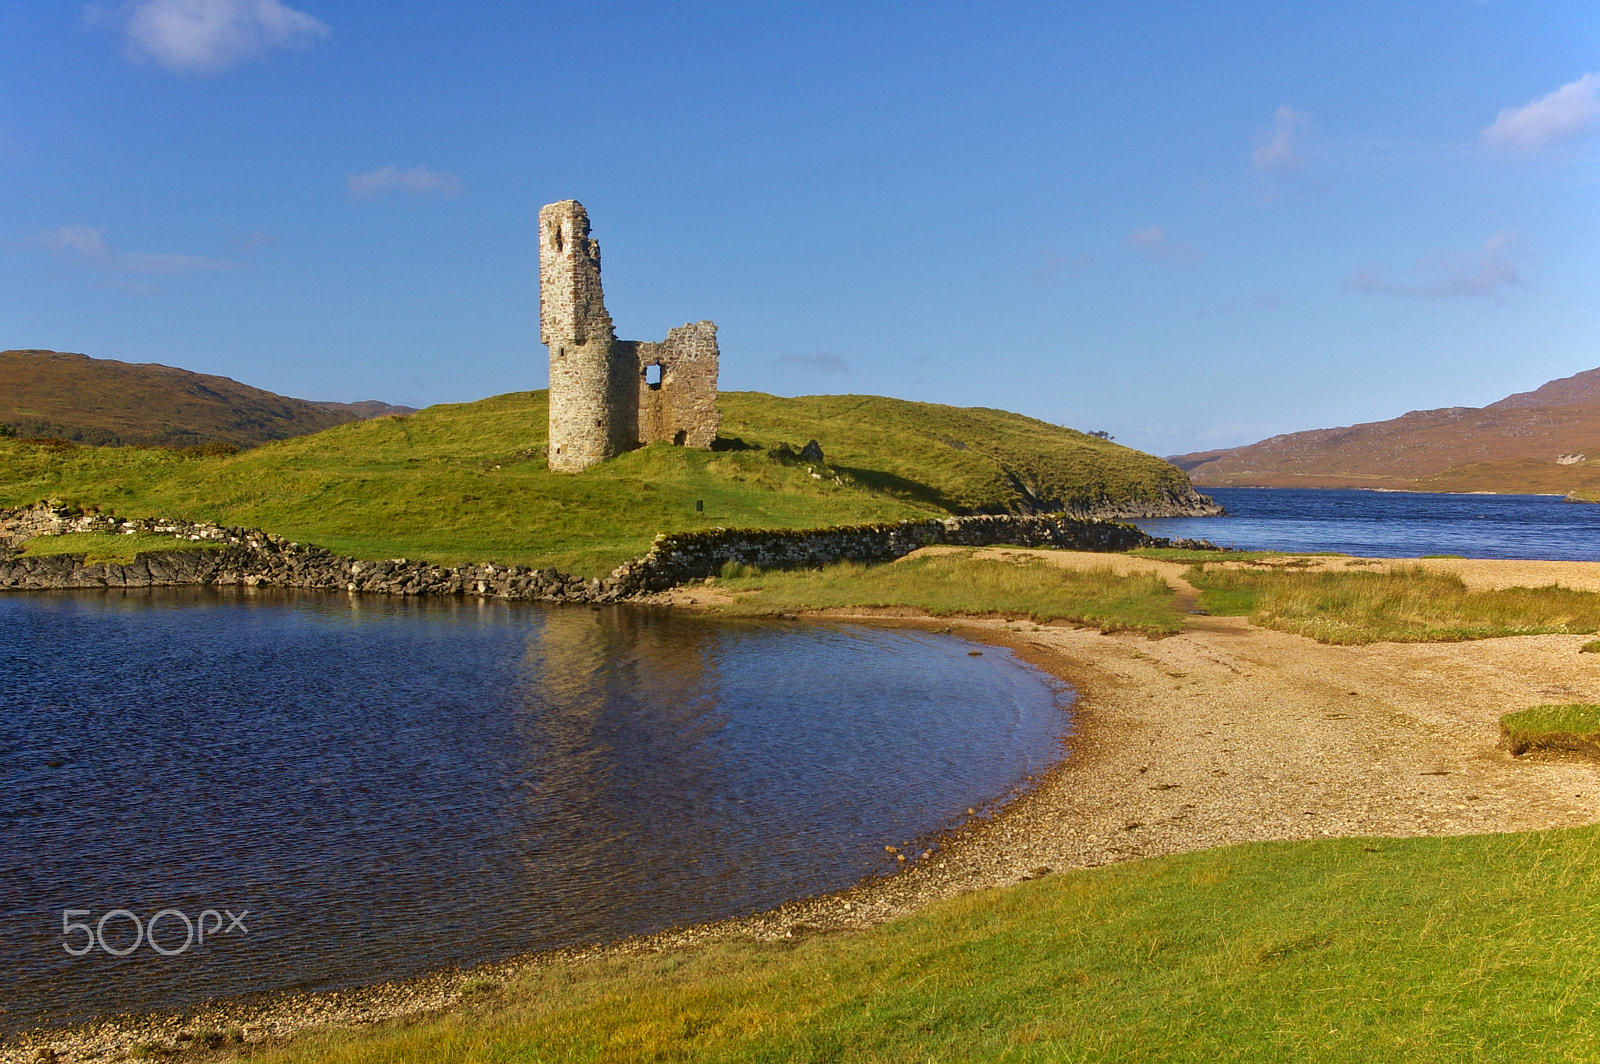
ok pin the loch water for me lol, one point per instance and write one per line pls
(388, 786)
(1394, 524)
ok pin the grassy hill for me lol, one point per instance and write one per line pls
(957, 459)
(468, 481)
(1510, 446)
(104, 402)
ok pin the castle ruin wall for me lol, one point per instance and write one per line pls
(607, 395)
(681, 407)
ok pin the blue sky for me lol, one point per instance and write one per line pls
(1190, 225)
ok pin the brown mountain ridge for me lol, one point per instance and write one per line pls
(108, 403)
(1543, 441)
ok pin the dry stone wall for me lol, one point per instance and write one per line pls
(689, 556)
(253, 558)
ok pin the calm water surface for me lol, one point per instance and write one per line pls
(392, 786)
(1395, 524)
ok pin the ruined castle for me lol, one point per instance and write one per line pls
(608, 395)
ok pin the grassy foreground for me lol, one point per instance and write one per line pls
(1405, 604)
(1454, 949)
(957, 582)
(468, 482)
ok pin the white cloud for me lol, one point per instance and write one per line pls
(88, 246)
(1276, 151)
(205, 36)
(821, 362)
(1152, 240)
(80, 238)
(419, 181)
(1452, 274)
(1570, 112)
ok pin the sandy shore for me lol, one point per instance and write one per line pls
(1222, 734)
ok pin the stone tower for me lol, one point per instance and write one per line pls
(608, 395)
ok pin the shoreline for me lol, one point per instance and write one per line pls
(1218, 735)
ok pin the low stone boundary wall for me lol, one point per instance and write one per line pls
(252, 558)
(683, 557)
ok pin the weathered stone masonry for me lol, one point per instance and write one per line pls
(608, 395)
(252, 558)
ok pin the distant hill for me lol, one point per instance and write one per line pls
(365, 409)
(1525, 442)
(107, 403)
(1580, 389)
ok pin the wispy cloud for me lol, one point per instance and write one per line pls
(87, 242)
(1452, 274)
(819, 363)
(418, 181)
(1152, 240)
(1051, 267)
(1572, 111)
(205, 36)
(87, 246)
(1277, 150)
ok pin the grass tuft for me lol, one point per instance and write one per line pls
(1559, 727)
(1408, 604)
(959, 583)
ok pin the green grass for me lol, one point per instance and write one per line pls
(1476, 948)
(1591, 647)
(952, 458)
(1574, 726)
(1403, 604)
(958, 583)
(468, 482)
(100, 547)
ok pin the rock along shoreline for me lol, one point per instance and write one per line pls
(208, 554)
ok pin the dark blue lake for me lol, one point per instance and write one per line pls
(1395, 524)
(389, 786)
